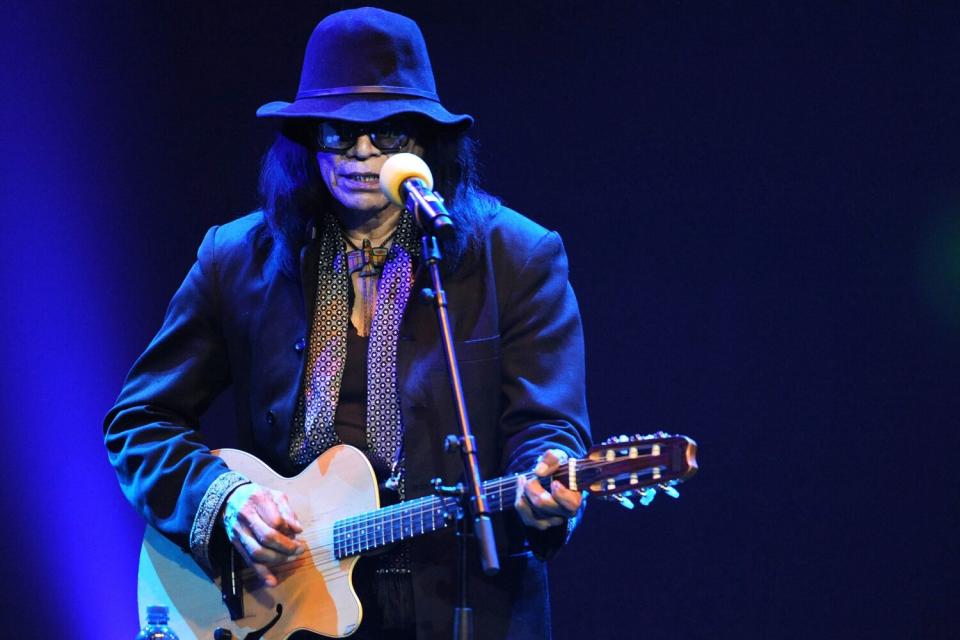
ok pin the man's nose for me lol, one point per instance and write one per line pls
(364, 148)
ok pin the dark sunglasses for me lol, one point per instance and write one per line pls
(389, 136)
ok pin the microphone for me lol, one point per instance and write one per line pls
(407, 181)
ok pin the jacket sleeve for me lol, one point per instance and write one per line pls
(164, 468)
(543, 372)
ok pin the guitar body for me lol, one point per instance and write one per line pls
(315, 593)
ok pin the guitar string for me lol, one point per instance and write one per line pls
(400, 513)
(357, 547)
(492, 486)
(298, 563)
(354, 550)
(333, 568)
(498, 483)
(330, 568)
(495, 485)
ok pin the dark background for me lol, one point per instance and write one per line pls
(761, 205)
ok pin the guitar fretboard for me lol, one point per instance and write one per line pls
(375, 529)
(622, 466)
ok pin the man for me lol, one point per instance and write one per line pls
(305, 306)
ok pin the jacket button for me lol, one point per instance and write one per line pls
(270, 418)
(300, 345)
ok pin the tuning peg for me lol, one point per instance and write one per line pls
(670, 491)
(647, 495)
(624, 501)
(653, 436)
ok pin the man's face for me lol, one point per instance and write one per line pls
(352, 173)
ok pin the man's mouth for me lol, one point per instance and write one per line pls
(365, 178)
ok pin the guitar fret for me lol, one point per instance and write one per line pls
(357, 534)
(336, 540)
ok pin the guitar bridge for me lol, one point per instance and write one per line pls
(231, 585)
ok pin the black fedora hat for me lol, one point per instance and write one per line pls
(364, 65)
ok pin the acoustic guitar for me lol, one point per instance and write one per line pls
(336, 499)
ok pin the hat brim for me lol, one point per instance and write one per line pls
(363, 108)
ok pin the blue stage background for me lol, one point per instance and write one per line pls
(761, 204)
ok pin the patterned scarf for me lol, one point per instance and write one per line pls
(314, 430)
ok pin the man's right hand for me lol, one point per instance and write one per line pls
(261, 526)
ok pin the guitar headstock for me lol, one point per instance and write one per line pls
(625, 466)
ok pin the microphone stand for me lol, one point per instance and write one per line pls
(472, 493)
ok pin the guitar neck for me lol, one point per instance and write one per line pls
(381, 527)
(616, 468)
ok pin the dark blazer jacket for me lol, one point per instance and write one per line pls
(239, 319)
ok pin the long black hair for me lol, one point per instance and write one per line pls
(293, 192)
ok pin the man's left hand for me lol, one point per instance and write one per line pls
(542, 509)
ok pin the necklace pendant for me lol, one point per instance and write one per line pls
(378, 257)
